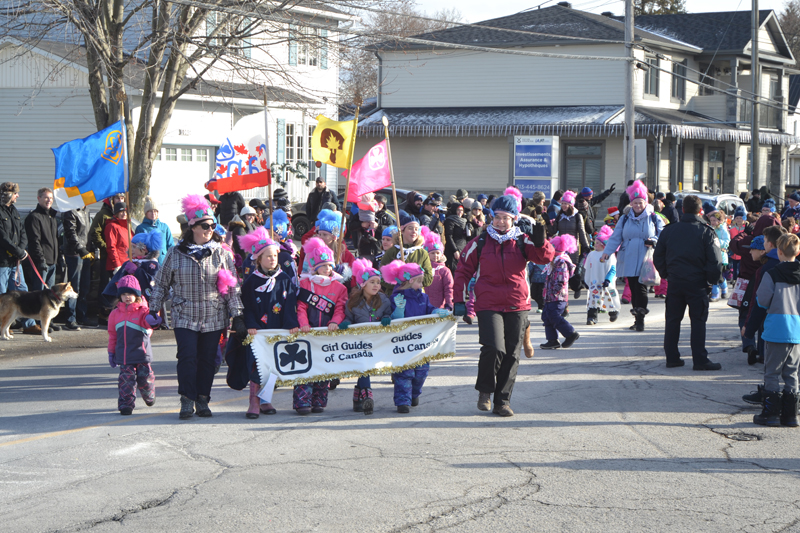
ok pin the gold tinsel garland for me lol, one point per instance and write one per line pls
(392, 328)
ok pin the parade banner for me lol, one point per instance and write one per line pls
(360, 350)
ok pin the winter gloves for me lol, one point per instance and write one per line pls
(538, 235)
(239, 326)
(112, 360)
(460, 309)
(344, 324)
(441, 312)
(152, 319)
(130, 267)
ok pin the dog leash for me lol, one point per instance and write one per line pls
(37, 272)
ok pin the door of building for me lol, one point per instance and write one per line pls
(715, 158)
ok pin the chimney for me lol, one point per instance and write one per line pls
(564, 4)
(609, 14)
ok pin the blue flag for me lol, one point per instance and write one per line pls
(91, 169)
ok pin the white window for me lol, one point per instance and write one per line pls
(290, 144)
(186, 154)
(308, 47)
(202, 155)
(651, 76)
(312, 167)
(171, 154)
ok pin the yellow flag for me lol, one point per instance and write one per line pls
(332, 142)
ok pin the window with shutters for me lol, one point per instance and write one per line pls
(229, 26)
(583, 166)
(308, 46)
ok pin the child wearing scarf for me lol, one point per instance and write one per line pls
(269, 297)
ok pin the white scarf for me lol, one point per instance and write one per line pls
(270, 284)
(322, 281)
(406, 251)
(511, 234)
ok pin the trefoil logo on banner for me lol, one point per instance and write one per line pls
(293, 357)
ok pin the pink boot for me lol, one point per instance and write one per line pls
(626, 294)
(252, 411)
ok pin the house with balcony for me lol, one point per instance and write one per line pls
(454, 114)
(44, 102)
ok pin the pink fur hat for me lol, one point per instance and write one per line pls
(317, 253)
(637, 190)
(515, 193)
(569, 197)
(397, 272)
(256, 241)
(363, 270)
(432, 240)
(196, 208)
(604, 234)
(565, 243)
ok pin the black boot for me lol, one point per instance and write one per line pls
(789, 409)
(752, 355)
(639, 323)
(187, 408)
(201, 404)
(635, 320)
(591, 317)
(334, 383)
(613, 316)
(358, 400)
(755, 398)
(771, 415)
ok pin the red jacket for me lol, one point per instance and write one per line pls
(502, 283)
(116, 235)
(336, 292)
(440, 291)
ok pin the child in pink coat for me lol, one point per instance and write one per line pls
(320, 303)
(440, 291)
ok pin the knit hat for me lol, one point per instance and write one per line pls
(660, 196)
(196, 209)
(390, 231)
(482, 197)
(708, 208)
(613, 210)
(417, 196)
(150, 204)
(279, 193)
(637, 190)
(740, 212)
(564, 243)
(247, 210)
(406, 219)
(397, 272)
(506, 204)
(363, 270)
(330, 221)
(120, 206)
(153, 241)
(280, 223)
(366, 216)
(476, 205)
(317, 253)
(467, 203)
(130, 285)
(757, 243)
(569, 197)
(769, 204)
(256, 241)
(514, 193)
(330, 206)
(257, 203)
(461, 194)
(432, 240)
(794, 196)
(586, 192)
(219, 230)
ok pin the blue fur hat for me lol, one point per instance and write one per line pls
(769, 204)
(740, 212)
(757, 243)
(153, 241)
(482, 197)
(220, 230)
(708, 208)
(794, 196)
(406, 219)
(330, 221)
(506, 204)
(390, 231)
(280, 223)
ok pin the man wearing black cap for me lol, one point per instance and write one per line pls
(231, 203)
(754, 204)
(429, 216)
(318, 196)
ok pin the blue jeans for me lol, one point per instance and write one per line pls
(722, 286)
(48, 275)
(7, 284)
(79, 274)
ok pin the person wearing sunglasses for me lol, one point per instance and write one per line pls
(205, 294)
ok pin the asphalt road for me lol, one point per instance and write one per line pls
(605, 438)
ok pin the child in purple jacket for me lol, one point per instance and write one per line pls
(129, 346)
(440, 291)
(409, 301)
(556, 294)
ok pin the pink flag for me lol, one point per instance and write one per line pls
(370, 173)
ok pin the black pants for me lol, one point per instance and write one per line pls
(500, 336)
(678, 298)
(537, 293)
(638, 292)
(196, 353)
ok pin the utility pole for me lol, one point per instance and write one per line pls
(630, 126)
(755, 71)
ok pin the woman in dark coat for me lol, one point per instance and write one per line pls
(456, 232)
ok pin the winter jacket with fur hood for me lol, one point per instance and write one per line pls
(129, 334)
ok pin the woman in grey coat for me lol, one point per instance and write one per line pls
(635, 231)
(569, 222)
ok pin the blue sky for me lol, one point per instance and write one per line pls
(477, 10)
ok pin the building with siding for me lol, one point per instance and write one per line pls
(453, 113)
(44, 102)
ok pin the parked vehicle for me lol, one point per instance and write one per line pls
(726, 203)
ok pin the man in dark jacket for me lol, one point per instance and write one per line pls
(429, 217)
(13, 242)
(585, 203)
(669, 210)
(41, 227)
(79, 265)
(318, 196)
(230, 204)
(754, 204)
(689, 257)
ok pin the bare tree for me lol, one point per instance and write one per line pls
(789, 20)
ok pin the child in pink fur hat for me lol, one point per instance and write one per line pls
(556, 294)
(601, 277)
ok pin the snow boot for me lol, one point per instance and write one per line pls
(789, 409)
(755, 398)
(187, 408)
(369, 403)
(771, 414)
(358, 400)
(201, 406)
(613, 316)
(752, 355)
(591, 317)
(253, 410)
(638, 318)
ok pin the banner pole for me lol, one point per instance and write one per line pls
(347, 186)
(127, 178)
(269, 168)
(394, 189)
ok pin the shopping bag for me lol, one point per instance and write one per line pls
(737, 295)
(649, 275)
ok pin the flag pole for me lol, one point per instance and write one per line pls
(394, 189)
(269, 169)
(347, 186)
(127, 178)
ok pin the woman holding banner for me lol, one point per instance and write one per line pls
(502, 296)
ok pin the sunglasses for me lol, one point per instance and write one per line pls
(206, 226)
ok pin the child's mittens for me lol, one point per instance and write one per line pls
(441, 312)
(130, 267)
(344, 324)
(239, 326)
(400, 301)
(152, 319)
(606, 283)
(460, 309)
(112, 360)
(385, 321)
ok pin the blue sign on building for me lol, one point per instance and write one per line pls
(529, 186)
(535, 157)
